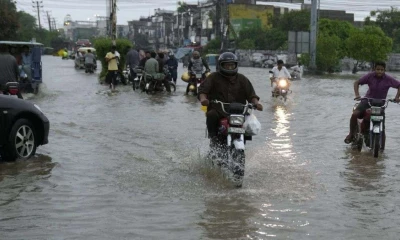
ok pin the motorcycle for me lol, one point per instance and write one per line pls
(232, 138)
(295, 75)
(138, 81)
(12, 88)
(371, 129)
(153, 85)
(195, 80)
(89, 68)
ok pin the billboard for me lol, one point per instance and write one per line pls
(244, 11)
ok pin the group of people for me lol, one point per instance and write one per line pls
(14, 66)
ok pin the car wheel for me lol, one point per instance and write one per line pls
(21, 141)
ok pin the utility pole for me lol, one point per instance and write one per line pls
(313, 34)
(53, 24)
(113, 20)
(38, 12)
(49, 20)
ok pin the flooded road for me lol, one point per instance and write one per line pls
(131, 166)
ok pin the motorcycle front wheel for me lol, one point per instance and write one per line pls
(238, 158)
(376, 144)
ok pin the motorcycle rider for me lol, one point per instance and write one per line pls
(172, 64)
(89, 60)
(279, 71)
(132, 60)
(379, 84)
(8, 68)
(226, 85)
(142, 62)
(152, 68)
(196, 65)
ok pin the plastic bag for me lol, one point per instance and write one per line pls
(252, 126)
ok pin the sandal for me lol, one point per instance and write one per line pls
(348, 139)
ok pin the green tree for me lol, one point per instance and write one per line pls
(247, 44)
(369, 44)
(212, 46)
(263, 39)
(389, 22)
(292, 21)
(328, 52)
(337, 28)
(8, 20)
(27, 26)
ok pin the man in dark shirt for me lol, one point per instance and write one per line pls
(160, 60)
(8, 67)
(226, 85)
(143, 61)
(132, 60)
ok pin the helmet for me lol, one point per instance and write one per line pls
(185, 76)
(227, 57)
(192, 87)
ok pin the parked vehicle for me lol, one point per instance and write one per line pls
(32, 77)
(257, 59)
(23, 127)
(371, 129)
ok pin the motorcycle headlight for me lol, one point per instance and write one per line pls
(282, 83)
(376, 110)
(236, 120)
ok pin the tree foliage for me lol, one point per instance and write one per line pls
(389, 22)
(338, 28)
(328, 52)
(8, 20)
(369, 44)
(212, 46)
(292, 21)
(262, 39)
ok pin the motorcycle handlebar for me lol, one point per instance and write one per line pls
(246, 106)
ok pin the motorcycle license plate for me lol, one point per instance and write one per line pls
(198, 76)
(236, 130)
(376, 118)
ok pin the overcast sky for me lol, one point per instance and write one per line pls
(133, 9)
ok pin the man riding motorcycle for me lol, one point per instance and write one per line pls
(379, 84)
(152, 68)
(279, 71)
(196, 65)
(226, 85)
(90, 59)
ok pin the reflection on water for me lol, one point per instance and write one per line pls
(363, 171)
(282, 143)
(20, 176)
(227, 217)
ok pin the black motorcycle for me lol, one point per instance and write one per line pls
(152, 85)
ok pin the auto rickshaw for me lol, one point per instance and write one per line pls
(30, 75)
(80, 57)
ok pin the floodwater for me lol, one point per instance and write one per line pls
(131, 166)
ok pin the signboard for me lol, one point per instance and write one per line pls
(241, 24)
(299, 42)
(203, 41)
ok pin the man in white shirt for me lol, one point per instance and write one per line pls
(279, 71)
